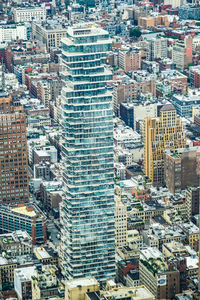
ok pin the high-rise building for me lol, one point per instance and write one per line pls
(192, 201)
(181, 168)
(130, 60)
(132, 113)
(182, 53)
(120, 223)
(157, 48)
(13, 154)
(88, 233)
(165, 132)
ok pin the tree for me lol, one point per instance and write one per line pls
(136, 33)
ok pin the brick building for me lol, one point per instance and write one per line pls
(13, 154)
(181, 168)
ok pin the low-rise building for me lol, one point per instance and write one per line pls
(185, 103)
(22, 282)
(120, 171)
(192, 234)
(129, 252)
(42, 170)
(175, 76)
(46, 256)
(77, 288)
(29, 14)
(7, 266)
(45, 283)
(175, 249)
(41, 156)
(49, 33)
(9, 33)
(151, 21)
(162, 235)
(163, 282)
(25, 217)
(123, 293)
(16, 243)
(51, 194)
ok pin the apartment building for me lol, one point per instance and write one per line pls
(29, 14)
(185, 104)
(182, 53)
(157, 276)
(13, 157)
(9, 33)
(125, 91)
(165, 132)
(157, 48)
(49, 33)
(130, 60)
(192, 234)
(16, 243)
(45, 282)
(192, 200)
(132, 113)
(194, 75)
(84, 53)
(151, 21)
(181, 168)
(120, 223)
(22, 282)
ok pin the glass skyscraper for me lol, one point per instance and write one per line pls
(87, 119)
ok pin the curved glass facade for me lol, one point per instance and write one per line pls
(87, 119)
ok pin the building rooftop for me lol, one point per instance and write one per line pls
(192, 262)
(41, 253)
(193, 97)
(3, 261)
(25, 274)
(189, 228)
(15, 237)
(25, 210)
(83, 29)
(136, 293)
(151, 252)
(177, 154)
(167, 107)
(172, 74)
(87, 281)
